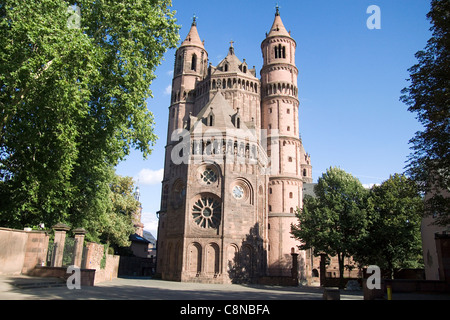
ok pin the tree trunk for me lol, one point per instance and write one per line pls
(341, 270)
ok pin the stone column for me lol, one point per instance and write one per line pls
(60, 239)
(78, 250)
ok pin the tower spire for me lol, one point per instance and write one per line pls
(193, 38)
(278, 28)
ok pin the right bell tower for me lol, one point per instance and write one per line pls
(290, 164)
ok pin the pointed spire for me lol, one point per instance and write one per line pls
(278, 28)
(193, 38)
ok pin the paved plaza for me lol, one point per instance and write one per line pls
(150, 289)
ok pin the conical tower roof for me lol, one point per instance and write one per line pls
(193, 39)
(278, 28)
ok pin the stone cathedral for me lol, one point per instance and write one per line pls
(234, 166)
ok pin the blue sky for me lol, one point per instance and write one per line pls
(350, 78)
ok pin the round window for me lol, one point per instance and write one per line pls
(208, 176)
(238, 192)
(206, 212)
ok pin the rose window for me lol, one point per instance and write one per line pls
(238, 192)
(208, 176)
(206, 212)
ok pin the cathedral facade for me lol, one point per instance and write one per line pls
(234, 166)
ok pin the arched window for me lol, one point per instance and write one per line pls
(280, 52)
(179, 64)
(194, 62)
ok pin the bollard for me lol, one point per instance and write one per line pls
(389, 292)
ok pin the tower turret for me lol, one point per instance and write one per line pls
(191, 65)
(279, 109)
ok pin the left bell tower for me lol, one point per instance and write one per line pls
(191, 67)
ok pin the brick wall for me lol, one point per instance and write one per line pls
(21, 251)
(93, 261)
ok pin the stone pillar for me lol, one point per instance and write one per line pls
(78, 250)
(60, 239)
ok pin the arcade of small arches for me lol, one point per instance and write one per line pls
(224, 147)
(216, 84)
(280, 88)
(205, 259)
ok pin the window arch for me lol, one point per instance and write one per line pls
(179, 63)
(194, 62)
(280, 52)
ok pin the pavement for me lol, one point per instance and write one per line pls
(31, 288)
(16, 288)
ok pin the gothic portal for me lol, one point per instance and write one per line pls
(234, 166)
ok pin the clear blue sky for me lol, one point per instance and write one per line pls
(349, 82)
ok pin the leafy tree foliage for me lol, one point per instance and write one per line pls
(116, 225)
(73, 103)
(335, 221)
(428, 95)
(393, 238)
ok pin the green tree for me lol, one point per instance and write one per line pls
(428, 95)
(73, 102)
(116, 224)
(393, 240)
(334, 221)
